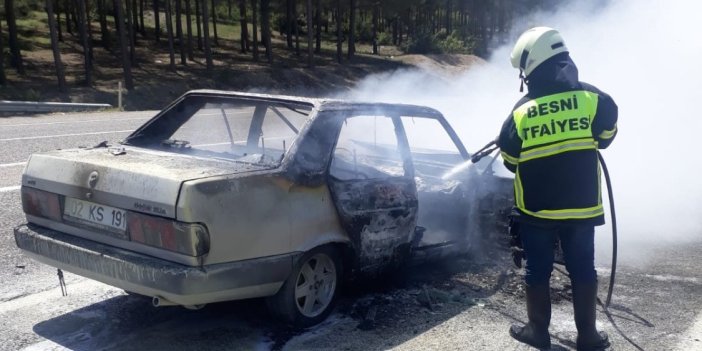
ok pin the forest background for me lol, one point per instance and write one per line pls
(83, 50)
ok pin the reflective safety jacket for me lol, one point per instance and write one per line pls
(550, 141)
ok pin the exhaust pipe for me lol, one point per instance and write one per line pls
(159, 301)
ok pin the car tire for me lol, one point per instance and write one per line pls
(308, 295)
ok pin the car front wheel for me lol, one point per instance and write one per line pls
(307, 296)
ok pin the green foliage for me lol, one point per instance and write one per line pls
(24, 7)
(28, 28)
(31, 95)
(364, 31)
(384, 38)
(455, 43)
(423, 43)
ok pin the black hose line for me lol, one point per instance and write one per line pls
(613, 272)
(486, 150)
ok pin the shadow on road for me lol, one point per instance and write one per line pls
(430, 292)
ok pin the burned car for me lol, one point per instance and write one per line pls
(225, 196)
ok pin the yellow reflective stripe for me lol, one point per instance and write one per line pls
(608, 134)
(565, 146)
(509, 159)
(573, 213)
(518, 190)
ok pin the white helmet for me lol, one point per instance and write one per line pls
(535, 46)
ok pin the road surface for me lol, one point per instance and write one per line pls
(465, 303)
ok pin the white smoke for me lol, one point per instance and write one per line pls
(646, 54)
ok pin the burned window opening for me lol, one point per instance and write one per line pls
(248, 131)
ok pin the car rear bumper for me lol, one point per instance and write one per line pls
(146, 275)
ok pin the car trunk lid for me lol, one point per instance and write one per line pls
(128, 178)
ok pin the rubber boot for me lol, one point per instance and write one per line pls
(535, 333)
(584, 300)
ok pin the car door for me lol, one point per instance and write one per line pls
(444, 202)
(372, 183)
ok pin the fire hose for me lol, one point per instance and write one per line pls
(492, 146)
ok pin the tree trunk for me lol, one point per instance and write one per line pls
(448, 17)
(126, 63)
(352, 29)
(399, 31)
(229, 10)
(169, 31)
(142, 29)
(310, 48)
(318, 28)
(297, 29)
(411, 25)
(288, 24)
(375, 28)
(135, 17)
(214, 22)
(206, 35)
(254, 23)
(179, 32)
(67, 13)
(104, 32)
(483, 30)
(130, 32)
(339, 39)
(57, 10)
(82, 27)
(60, 76)
(189, 28)
(266, 28)
(74, 15)
(15, 55)
(198, 23)
(3, 80)
(88, 22)
(157, 21)
(76, 23)
(244, 26)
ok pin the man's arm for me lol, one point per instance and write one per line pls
(604, 127)
(510, 144)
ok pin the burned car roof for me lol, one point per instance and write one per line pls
(323, 104)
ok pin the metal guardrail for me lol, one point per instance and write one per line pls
(35, 107)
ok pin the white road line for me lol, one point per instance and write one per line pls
(82, 287)
(66, 135)
(13, 164)
(69, 122)
(9, 188)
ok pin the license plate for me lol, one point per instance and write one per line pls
(95, 215)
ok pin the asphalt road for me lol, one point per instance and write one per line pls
(468, 305)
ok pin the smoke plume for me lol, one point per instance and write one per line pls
(646, 55)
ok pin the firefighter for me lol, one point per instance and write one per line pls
(550, 142)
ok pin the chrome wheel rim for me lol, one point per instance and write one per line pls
(315, 285)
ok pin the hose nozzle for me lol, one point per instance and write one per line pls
(486, 150)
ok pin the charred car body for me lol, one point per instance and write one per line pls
(225, 196)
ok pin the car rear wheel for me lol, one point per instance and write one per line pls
(307, 296)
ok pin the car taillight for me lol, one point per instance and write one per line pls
(187, 238)
(41, 203)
